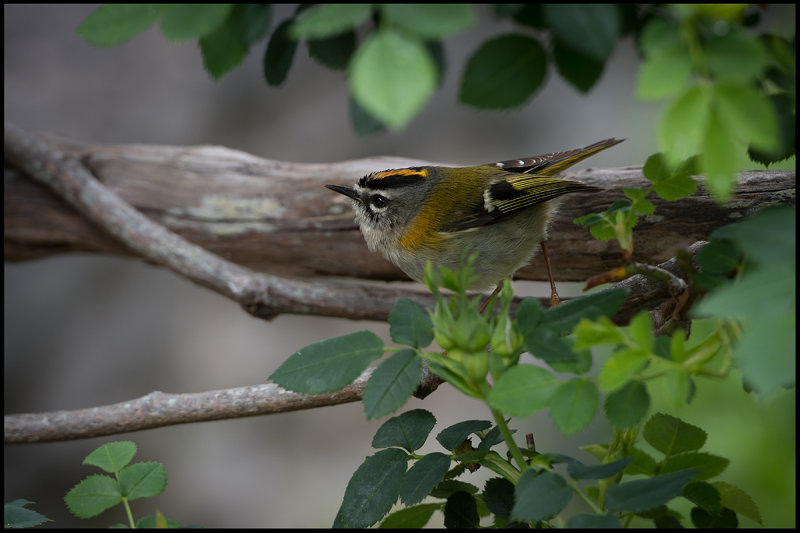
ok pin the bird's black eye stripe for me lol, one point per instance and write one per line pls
(378, 201)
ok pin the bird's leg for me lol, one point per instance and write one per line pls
(490, 298)
(554, 299)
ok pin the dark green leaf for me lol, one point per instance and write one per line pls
(580, 471)
(541, 496)
(581, 71)
(372, 490)
(548, 345)
(392, 383)
(410, 324)
(783, 106)
(626, 406)
(333, 52)
(279, 55)
(431, 21)
(671, 435)
(503, 73)
(642, 463)
(408, 430)
(142, 480)
(363, 123)
(223, 48)
(182, 22)
(411, 517)
(492, 437)
(113, 24)
(328, 365)
(461, 511)
(326, 20)
(112, 456)
(15, 515)
(594, 521)
(392, 77)
(454, 435)
(529, 314)
(92, 496)
(573, 405)
(725, 519)
(498, 495)
(522, 390)
(448, 487)
(769, 236)
(704, 495)
(421, 478)
(436, 50)
(738, 500)
(646, 494)
(254, 21)
(565, 317)
(706, 464)
(591, 29)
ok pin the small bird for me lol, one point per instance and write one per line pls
(499, 210)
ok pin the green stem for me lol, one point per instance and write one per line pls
(128, 512)
(512, 446)
(596, 508)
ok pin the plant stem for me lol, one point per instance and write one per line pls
(512, 446)
(128, 512)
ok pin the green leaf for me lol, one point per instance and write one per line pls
(279, 55)
(112, 456)
(453, 436)
(670, 184)
(92, 496)
(573, 405)
(254, 21)
(326, 20)
(718, 159)
(592, 333)
(392, 77)
(737, 56)
(671, 435)
(431, 21)
(645, 494)
(594, 521)
(363, 123)
(498, 495)
(620, 368)
(503, 73)
(769, 236)
(372, 490)
(747, 114)
(706, 464)
(333, 52)
(411, 517)
(15, 515)
(223, 48)
(182, 22)
(725, 519)
(581, 71)
(627, 406)
(548, 346)
(113, 24)
(538, 497)
(641, 331)
(682, 130)
(522, 390)
(410, 324)
(421, 478)
(766, 350)
(328, 365)
(461, 511)
(673, 386)
(738, 500)
(142, 480)
(657, 34)
(392, 383)
(448, 487)
(591, 29)
(664, 73)
(408, 430)
(579, 471)
(564, 318)
(783, 108)
(703, 494)
(157, 520)
(642, 463)
(529, 314)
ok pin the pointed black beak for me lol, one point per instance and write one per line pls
(347, 191)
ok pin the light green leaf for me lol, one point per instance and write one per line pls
(681, 133)
(573, 405)
(92, 496)
(326, 20)
(113, 24)
(718, 160)
(707, 465)
(430, 21)
(392, 77)
(112, 456)
(142, 480)
(626, 406)
(738, 500)
(747, 115)
(664, 73)
(522, 390)
(182, 22)
(737, 56)
(621, 367)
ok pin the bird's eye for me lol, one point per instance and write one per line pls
(378, 201)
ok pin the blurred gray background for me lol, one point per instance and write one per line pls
(83, 331)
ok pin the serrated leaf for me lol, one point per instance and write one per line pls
(747, 114)
(707, 465)
(142, 480)
(620, 368)
(431, 21)
(408, 430)
(410, 324)
(392, 77)
(642, 463)
(15, 515)
(682, 129)
(564, 318)
(498, 495)
(182, 22)
(738, 500)
(411, 517)
(671, 435)
(113, 24)
(448, 487)
(580, 70)
(579, 471)
(92, 496)
(451, 437)
(224, 48)
(644, 494)
(703, 494)
(392, 383)
(538, 497)
(591, 29)
(326, 20)
(523, 390)
(421, 478)
(328, 365)
(372, 490)
(461, 511)
(573, 405)
(503, 73)
(279, 55)
(628, 405)
(112, 456)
